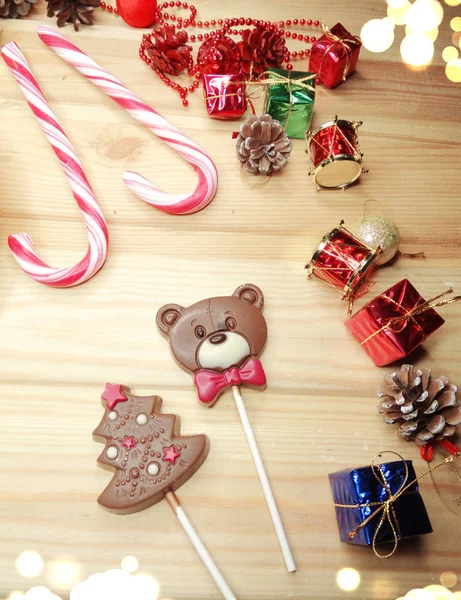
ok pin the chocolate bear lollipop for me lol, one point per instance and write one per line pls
(220, 340)
(151, 461)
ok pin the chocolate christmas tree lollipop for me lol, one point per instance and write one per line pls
(219, 341)
(151, 461)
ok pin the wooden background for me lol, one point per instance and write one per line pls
(318, 415)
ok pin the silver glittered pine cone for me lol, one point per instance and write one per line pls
(262, 145)
(426, 408)
(12, 9)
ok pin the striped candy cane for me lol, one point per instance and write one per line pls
(21, 244)
(175, 204)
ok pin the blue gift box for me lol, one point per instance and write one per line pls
(361, 487)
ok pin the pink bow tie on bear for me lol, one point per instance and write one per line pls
(210, 383)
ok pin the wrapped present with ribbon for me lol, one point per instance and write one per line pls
(396, 322)
(225, 95)
(380, 503)
(334, 55)
(290, 99)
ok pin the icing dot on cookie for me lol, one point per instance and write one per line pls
(112, 415)
(112, 452)
(142, 419)
(153, 468)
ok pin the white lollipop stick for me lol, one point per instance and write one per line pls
(175, 204)
(199, 546)
(21, 244)
(271, 504)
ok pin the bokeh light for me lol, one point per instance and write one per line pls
(130, 564)
(455, 23)
(418, 594)
(16, 596)
(439, 592)
(378, 35)
(29, 563)
(348, 579)
(453, 2)
(453, 70)
(40, 593)
(456, 38)
(450, 53)
(399, 15)
(432, 34)
(64, 573)
(448, 579)
(424, 15)
(116, 584)
(417, 49)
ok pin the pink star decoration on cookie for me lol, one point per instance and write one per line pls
(170, 453)
(128, 442)
(113, 394)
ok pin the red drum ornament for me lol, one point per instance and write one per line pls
(334, 154)
(219, 56)
(343, 262)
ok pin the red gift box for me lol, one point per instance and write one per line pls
(334, 56)
(225, 95)
(395, 323)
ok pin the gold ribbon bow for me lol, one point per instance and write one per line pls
(345, 43)
(408, 315)
(386, 508)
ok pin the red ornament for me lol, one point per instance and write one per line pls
(129, 442)
(137, 13)
(113, 394)
(171, 454)
(260, 49)
(167, 51)
(219, 57)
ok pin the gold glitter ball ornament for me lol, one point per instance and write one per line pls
(376, 230)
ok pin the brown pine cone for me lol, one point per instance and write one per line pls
(262, 145)
(12, 9)
(167, 49)
(72, 11)
(426, 408)
(260, 49)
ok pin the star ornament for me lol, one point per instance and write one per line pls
(129, 442)
(171, 454)
(113, 394)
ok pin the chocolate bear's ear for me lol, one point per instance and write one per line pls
(251, 294)
(167, 317)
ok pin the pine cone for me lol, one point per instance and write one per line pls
(262, 145)
(260, 49)
(426, 408)
(167, 50)
(72, 11)
(12, 9)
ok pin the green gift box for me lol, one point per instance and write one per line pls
(280, 96)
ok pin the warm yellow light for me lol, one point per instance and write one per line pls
(418, 594)
(397, 3)
(448, 579)
(29, 563)
(40, 593)
(450, 53)
(457, 595)
(116, 584)
(439, 592)
(146, 586)
(16, 596)
(130, 564)
(377, 35)
(348, 579)
(417, 49)
(424, 15)
(453, 2)
(433, 34)
(64, 573)
(453, 70)
(455, 23)
(399, 15)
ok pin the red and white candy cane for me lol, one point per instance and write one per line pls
(175, 204)
(21, 244)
